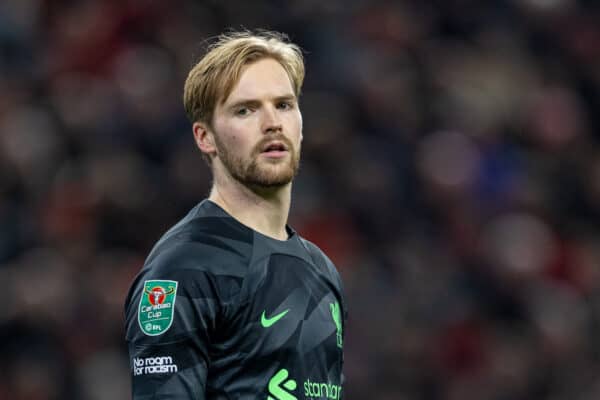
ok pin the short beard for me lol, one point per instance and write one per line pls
(254, 176)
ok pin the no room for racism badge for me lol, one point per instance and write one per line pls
(155, 314)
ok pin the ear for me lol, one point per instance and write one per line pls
(204, 137)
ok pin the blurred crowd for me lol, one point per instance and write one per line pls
(451, 169)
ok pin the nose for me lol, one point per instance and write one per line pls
(271, 122)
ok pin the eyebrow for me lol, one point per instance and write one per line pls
(253, 102)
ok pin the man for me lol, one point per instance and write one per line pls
(232, 303)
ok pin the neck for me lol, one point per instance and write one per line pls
(265, 210)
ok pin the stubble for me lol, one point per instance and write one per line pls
(255, 172)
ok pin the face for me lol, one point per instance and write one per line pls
(258, 129)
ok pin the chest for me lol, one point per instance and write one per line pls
(291, 308)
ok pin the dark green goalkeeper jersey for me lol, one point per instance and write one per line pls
(220, 311)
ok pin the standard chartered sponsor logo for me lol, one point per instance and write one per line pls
(321, 389)
(153, 365)
(276, 391)
(281, 387)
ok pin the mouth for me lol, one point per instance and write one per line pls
(274, 149)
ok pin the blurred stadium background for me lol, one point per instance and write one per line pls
(451, 169)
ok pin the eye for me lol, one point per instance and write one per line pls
(284, 105)
(242, 111)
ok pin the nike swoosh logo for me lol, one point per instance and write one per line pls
(267, 322)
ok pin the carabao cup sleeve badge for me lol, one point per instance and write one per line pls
(157, 303)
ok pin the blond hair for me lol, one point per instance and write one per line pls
(213, 78)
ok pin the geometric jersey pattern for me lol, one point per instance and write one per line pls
(230, 280)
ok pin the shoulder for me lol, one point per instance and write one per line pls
(315, 251)
(200, 242)
(207, 255)
(321, 259)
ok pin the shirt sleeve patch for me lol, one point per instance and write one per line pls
(157, 303)
(154, 365)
